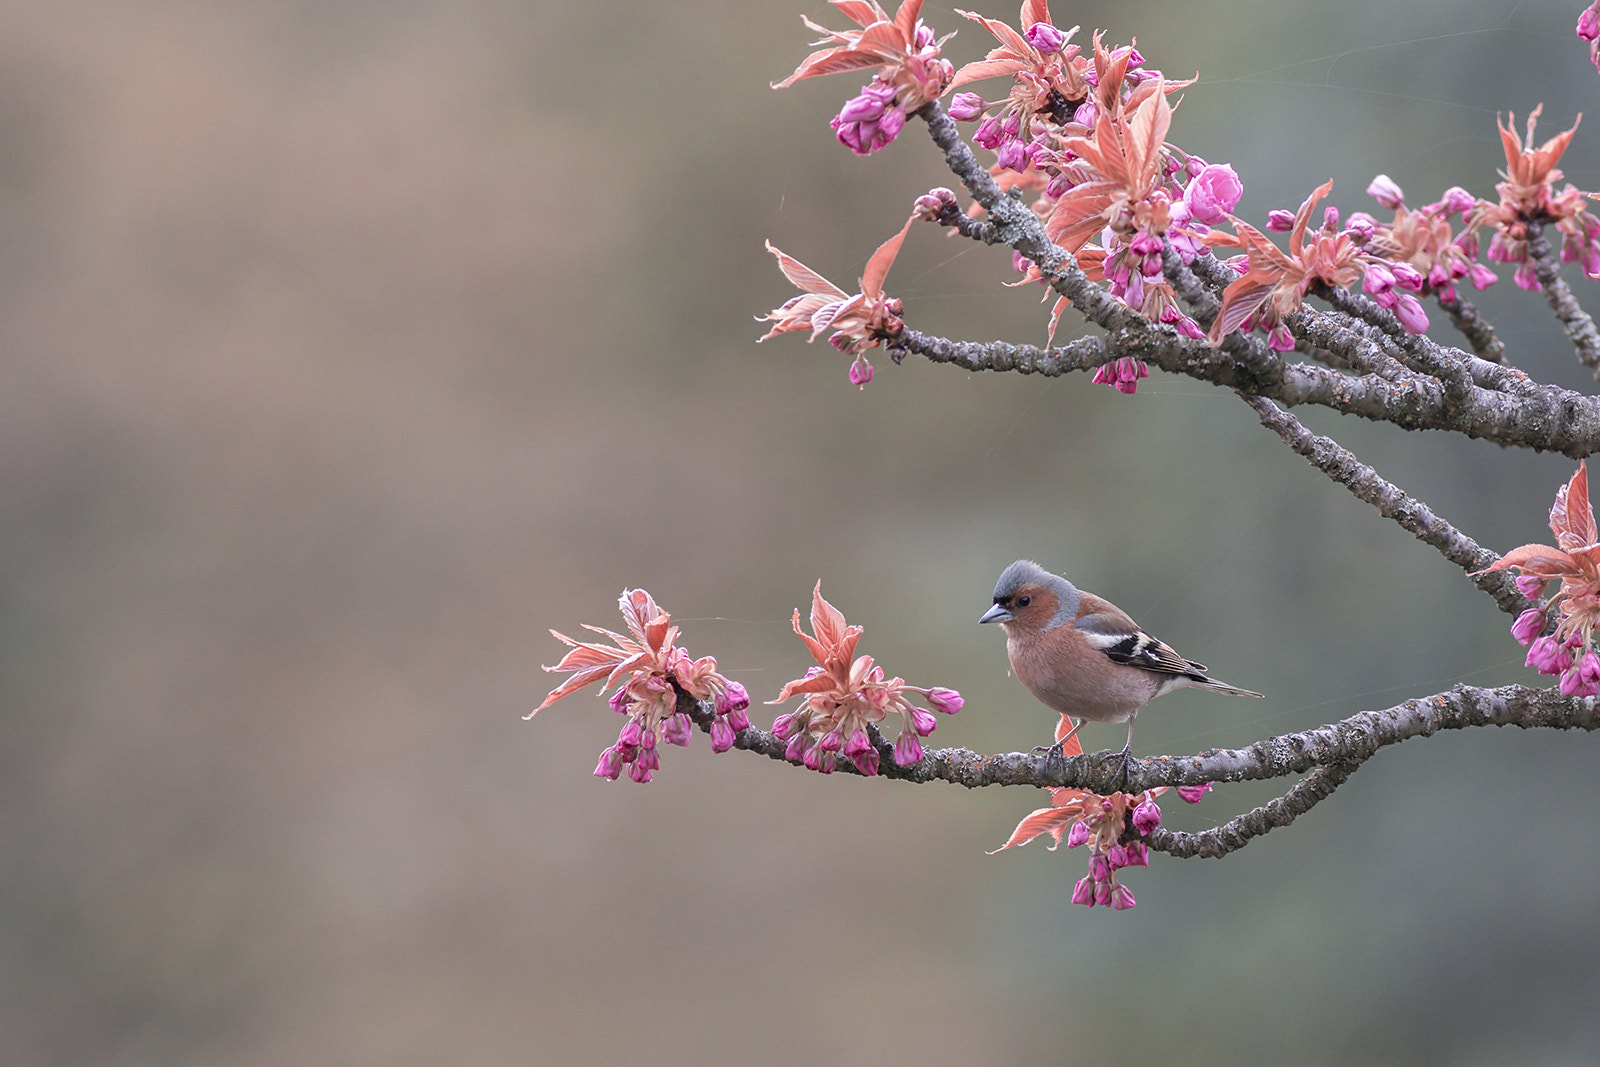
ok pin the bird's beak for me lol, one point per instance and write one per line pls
(997, 614)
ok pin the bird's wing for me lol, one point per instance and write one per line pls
(1115, 634)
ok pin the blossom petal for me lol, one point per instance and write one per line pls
(1052, 821)
(878, 266)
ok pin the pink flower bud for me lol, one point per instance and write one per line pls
(1406, 276)
(1377, 279)
(1191, 794)
(935, 203)
(631, 735)
(1102, 893)
(678, 731)
(1528, 626)
(1482, 277)
(610, 765)
(1280, 221)
(1137, 854)
(1589, 24)
(721, 735)
(860, 372)
(1086, 113)
(619, 701)
(1121, 898)
(1384, 190)
(866, 762)
(1147, 816)
(797, 747)
(734, 697)
(988, 134)
(1408, 309)
(1045, 37)
(1078, 834)
(945, 701)
(1545, 655)
(1213, 193)
(1099, 869)
(1330, 218)
(1529, 586)
(1013, 155)
(907, 749)
(1361, 227)
(1083, 892)
(1457, 201)
(1573, 685)
(640, 773)
(1589, 669)
(964, 107)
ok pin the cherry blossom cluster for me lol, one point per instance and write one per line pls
(1112, 826)
(1528, 197)
(845, 695)
(649, 670)
(1081, 134)
(845, 698)
(1574, 561)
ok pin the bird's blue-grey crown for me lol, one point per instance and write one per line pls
(1027, 572)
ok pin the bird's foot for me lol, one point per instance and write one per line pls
(1122, 772)
(1053, 756)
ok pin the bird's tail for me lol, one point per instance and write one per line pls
(1223, 687)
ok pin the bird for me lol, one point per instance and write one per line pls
(1081, 655)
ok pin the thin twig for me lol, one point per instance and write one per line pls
(1579, 326)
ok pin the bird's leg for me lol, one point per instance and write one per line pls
(1127, 750)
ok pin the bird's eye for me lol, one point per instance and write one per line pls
(1022, 601)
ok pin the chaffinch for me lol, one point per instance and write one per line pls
(1081, 655)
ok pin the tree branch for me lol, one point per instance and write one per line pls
(1411, 514)
(1349, 741)
(1239, 831)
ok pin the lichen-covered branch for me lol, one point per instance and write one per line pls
(1239, 831)
(1351, 740)
(1486, 345)
(1392, 502)
(1545, 418)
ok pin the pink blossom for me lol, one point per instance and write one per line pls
(1589, 23)
(1529, 625)
(1547, 656)
(650, 672)
(860, 372)
(1408, 309)
(1384, 190)
(1192, 793)
(844, 694)
(869, 120)
(1122, 374)
(1147, 816)
(1045, 37)
(964, 107)
(1213, 193)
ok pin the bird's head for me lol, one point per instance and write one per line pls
(1029, 599)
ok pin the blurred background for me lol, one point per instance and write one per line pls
(350, 346)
